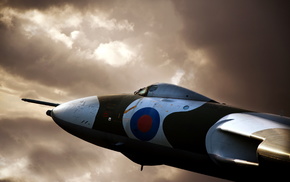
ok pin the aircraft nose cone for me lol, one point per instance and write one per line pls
(81, 112)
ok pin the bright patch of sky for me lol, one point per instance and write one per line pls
(115, 53)
(65, 25)
(177, 77)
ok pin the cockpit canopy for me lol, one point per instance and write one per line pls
(166, 90)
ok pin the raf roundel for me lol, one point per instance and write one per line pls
(145, 123)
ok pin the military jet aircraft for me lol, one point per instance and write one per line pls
(171, 125)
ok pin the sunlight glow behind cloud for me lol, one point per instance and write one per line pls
(115, 53)
(177, 77)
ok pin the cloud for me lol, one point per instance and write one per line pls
(115, 53)
(43, 5)
(47, 152)
(110, 24)
(72, 53)
(246, 45)
(177, 77)
(234, 52)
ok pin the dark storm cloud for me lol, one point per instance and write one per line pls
(14, 136)
(41, 59)
(44, 58)
(36, 56)
(248, 46)
(23, 132)
(186, 176)
(10, 180)
(51, 153)
(245, 43)
(34, 4)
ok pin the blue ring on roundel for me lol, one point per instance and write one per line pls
(152, 131)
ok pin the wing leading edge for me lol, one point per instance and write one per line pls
(250, 139)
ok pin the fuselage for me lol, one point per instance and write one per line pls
(199, 135)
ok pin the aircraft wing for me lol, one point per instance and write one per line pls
(250, 139)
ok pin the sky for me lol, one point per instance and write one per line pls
(235, 52)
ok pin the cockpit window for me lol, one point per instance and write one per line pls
(142, 91)
(152, 88)
(165, 90)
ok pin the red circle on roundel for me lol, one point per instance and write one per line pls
(144, 123)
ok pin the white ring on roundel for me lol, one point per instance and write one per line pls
(164, 107)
